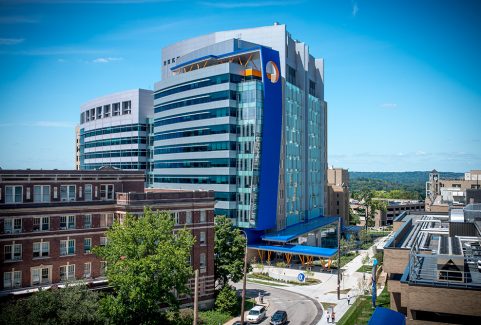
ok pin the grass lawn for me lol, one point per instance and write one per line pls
(213, 317)
(274, 284)
(361, 310)
(365, 268)
(343, 291)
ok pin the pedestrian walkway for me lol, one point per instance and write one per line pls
(326, 291)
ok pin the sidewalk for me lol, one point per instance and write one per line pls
(326, 291)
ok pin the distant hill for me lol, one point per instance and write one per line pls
(388, 181)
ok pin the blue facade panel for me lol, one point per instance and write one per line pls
(271, 144)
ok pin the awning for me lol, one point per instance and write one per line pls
(298, 250)
(294, 231)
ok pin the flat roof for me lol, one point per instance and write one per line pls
(298, 250)
(294, 231)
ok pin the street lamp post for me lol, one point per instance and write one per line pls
(244, 282)
(339, 259)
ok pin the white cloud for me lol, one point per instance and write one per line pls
(11, 41)
(250, 4)
(355, 9)
(106, 60)
(388, 105)
(57, 51)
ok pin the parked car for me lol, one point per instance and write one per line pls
(256, 314)
(479, 265)
(279, 318)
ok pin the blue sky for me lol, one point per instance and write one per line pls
(401, 77)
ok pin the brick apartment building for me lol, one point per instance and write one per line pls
(51, 219)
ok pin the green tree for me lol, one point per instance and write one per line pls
(147, 265)
(229, 252)
(74, 304)
(227, 301)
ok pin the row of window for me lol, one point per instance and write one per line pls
(195, 116)
(115, 141)
(42, 193)
(105, 111)
(115, 153)
(197, 147)
(196, 163)
(212, 97)
(114, 129)
(14, 252)
(199, 83)
(43, 275)
(198, 131)
(15, 225)
(124, 165)
(213, 179)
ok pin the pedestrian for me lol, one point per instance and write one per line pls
(348, 299)
(328, 316)
(333, 316)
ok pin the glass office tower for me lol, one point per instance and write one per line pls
(243, 113)
(115, 131)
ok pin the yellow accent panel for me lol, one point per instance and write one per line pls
(252, 72)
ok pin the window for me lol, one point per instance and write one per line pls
(87, 270)
(92, 114)
(202, 216)
(41, 224)
(87, 221)
(12, 279)
(126, 107)
(99, 112)
(106, 220)
(176, 216)
(41, 193)
(67, 222)
(67, 192)
(40, 275)
(188, 217)
(67, 272)
(115, 109)
(103, 268)
(87, 245)
(107, 191)
(13, 194)
(87, 115)
(202, 238)
(202, 263)
(12, 225)
(88, 192)
(103, 241)
(106, 110)
(41, 249)
(13, 252)
(67, 247)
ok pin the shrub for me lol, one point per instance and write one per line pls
(226, 301)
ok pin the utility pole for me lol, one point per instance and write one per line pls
(244, 283)
(196, 296)
(339, 259)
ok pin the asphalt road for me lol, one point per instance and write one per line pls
(300, 309)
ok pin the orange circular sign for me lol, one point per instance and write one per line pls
(272, 72)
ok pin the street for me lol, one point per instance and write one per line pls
(300, 309)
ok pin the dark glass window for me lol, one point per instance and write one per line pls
(198, 115)
(198, 131)
(196, 147)
(212, 97)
